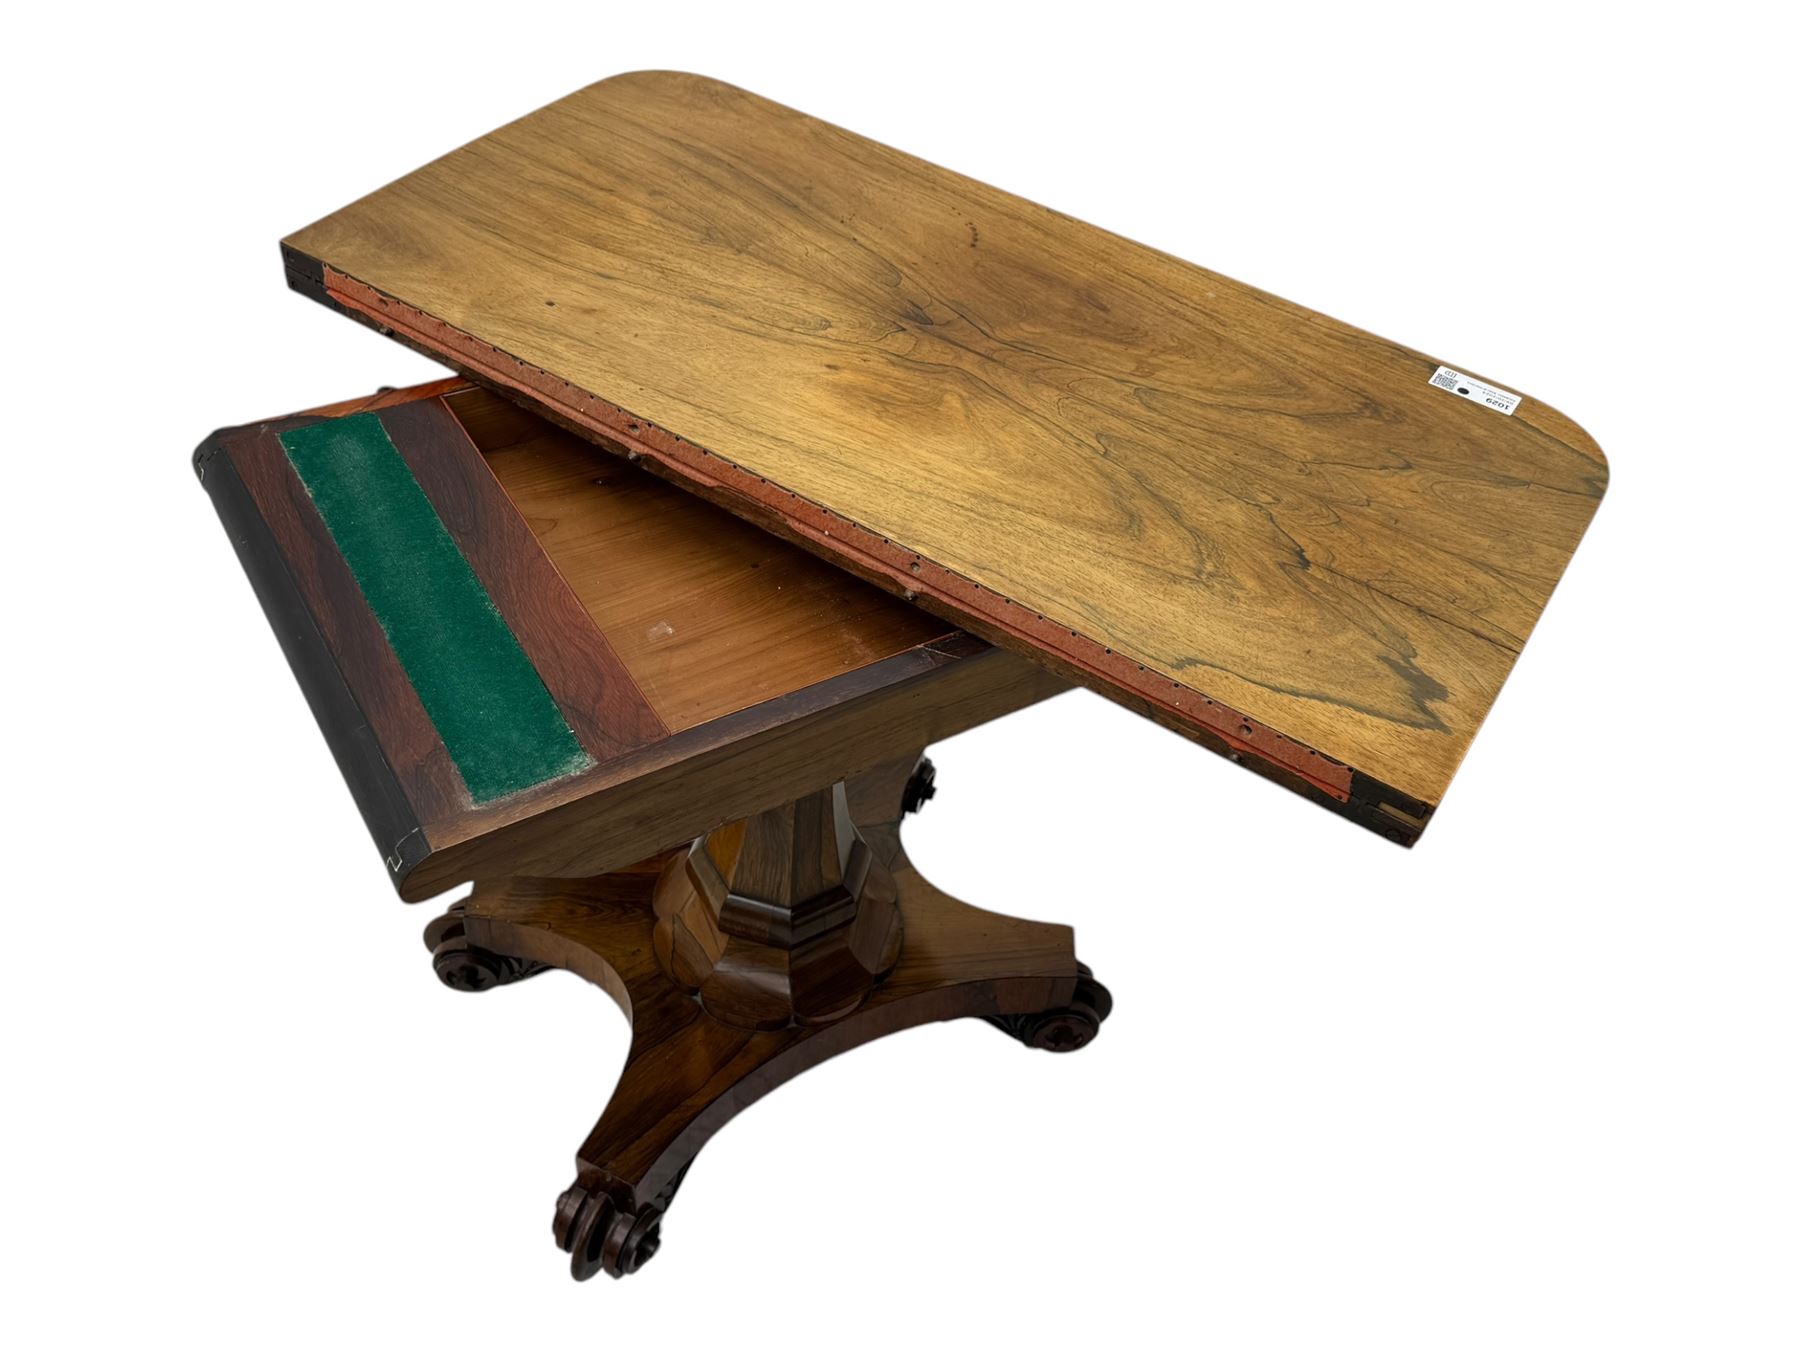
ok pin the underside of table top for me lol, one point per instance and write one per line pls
(1264, 528)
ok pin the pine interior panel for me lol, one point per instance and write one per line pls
(1259, 525)
(709, 614)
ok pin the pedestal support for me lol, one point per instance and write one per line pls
(746, 958)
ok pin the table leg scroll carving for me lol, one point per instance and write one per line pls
(745, 959)
(1062, 1029)
(600, 1235)
(921, 787)
(468, 968)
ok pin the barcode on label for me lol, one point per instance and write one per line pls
(1489, 396)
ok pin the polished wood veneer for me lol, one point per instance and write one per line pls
(1262, 527)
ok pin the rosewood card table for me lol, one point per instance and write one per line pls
(671, 744)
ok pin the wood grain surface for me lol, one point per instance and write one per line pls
(1257, 524)
(708, 613)
(793, 673)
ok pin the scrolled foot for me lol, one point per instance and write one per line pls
(920, 788)
(1060, 1030)
(599, 1233)
(465, 967)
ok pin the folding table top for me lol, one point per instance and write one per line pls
(1307, 547)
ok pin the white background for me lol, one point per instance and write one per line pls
(1531, 1084)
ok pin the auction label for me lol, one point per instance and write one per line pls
(1475, 391)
